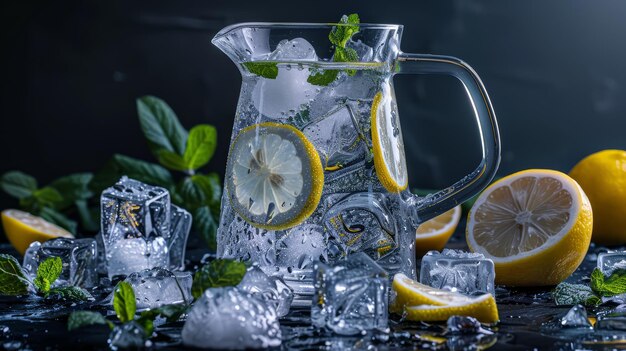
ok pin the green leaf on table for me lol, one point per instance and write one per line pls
(323, 78)
(262, 68)
(58, 218)
(69, 294)
(18, 184)
(124, 302)
(170, 312)
(171, 160)
(47, 273)
(573, 294)
(200, 146)
(121, 165)
(344, 30)
(217, 274)
(204, 223)
(80, 319)
(615, 284)
(13, 281)
(160, 125)
(74, 187)
(48, 196)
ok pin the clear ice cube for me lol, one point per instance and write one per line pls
(294, 49)
(576, 317)
(157, 286)
(228, 318)
(79, 258)
(272, 290)
(454, 270)
(350, 296)
(180, 227)
(610, 261)
(612, 320)
(127, 336)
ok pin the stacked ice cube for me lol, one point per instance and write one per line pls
(141, 229)
(455, 270)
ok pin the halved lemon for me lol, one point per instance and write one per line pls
(274, 176)
(387, 144)
(22, 229)
(424, 303)
(535, 225)
(435, 233)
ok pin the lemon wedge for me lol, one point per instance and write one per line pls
(435, 233)
(535, 225)
(22, 229)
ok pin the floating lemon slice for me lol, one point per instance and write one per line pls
(435, 233)
(424, 303)
(387, 143)
(22, 229)
(274, 176)
(535, 225)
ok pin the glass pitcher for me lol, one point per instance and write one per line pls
(316, 167)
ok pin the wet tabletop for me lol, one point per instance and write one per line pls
(528, 318)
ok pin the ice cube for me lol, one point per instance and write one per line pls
(157, 286)
(612, 320)
(364, 52)
(228, 318)
(576, 317)
(180, 227)
(101, 259)
(454, 270)
(127, 336)
(289, 92)
(350, 296)
(79, 258)
(610, 261)
(272, 290)
(127, 256)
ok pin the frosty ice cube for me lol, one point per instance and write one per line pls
(455, 270)
(180, 227)
(129, 336)
(79, 258)
(135, 226)
(228, 318)
(272, 290)
(610, 261)
(576, 317)
(350, 296)
(157, 286)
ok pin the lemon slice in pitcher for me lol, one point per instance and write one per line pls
(387, 144)
(274, 176)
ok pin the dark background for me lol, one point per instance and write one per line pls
(71, 70)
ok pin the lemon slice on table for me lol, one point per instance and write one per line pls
(535, 225)
(483, 308)
(387, 144)
(22, 229)
(435, 233)
(274, 176)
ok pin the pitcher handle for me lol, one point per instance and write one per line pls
(443, 200)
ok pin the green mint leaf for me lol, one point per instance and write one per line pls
(211, 187)
(344, 30)
(47, 273)
(615, 284)
(204, 223)
(48, 196)
(58, 218)
(171, 160)
(573, 294)
(73, 187)
(72, 294)
(18, 184)
(13, 281)
(80, 319)
(160, 125)
(86, 216)
(346, 55)
(264, 69)
(170, 312)
(217, 274)
(200, 146)
(191, 194)
(147, 324)
(121, 165)
(124, 302)
(323, 78)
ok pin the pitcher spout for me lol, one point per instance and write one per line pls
(243, 42)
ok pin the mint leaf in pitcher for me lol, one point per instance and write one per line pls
(346, 28)
(264, 69)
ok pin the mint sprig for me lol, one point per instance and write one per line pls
(615, 284)
(47, 273)
(573, 294)
(218, 273)
(13, 281)
(600, 286)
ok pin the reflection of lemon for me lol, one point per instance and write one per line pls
(603, 178)
(535, 225)
(388, 147)
(22, 229)
(274, 176)
(434, 233)
(420, 302)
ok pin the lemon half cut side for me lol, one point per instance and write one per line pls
(23, 228)
(274, 176)
(435, 232)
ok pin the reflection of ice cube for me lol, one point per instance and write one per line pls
(468, 273)
(289, 91)
(127, 256)
(244, 241)
(156, 287)
(301, 246)
(227, 318)
(610, 261)
(576, 317)
(272, 290)
(79, 258)
(180, 227)
(127, 336)
(350, 296)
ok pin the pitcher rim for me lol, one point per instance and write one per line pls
(306, 25)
